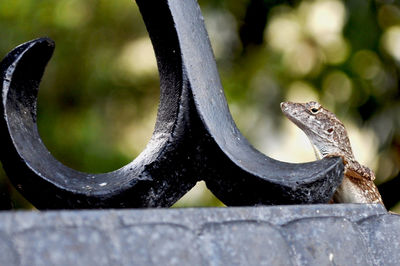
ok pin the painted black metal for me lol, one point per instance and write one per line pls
(194, 139)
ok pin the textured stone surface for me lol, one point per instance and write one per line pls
(313, 243)
(233, 243)
(280, 235)
(383, 232)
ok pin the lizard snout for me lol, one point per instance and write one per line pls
(283, 105)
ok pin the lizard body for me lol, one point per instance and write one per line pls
(329, 138)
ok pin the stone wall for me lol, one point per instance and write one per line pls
(280, 235)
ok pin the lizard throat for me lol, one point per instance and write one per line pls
(319, 152)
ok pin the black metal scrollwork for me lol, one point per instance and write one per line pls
(194, 139)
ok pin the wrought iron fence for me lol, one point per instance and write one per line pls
(194, 139)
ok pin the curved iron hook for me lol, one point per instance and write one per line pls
(49, 184)
(194, 139)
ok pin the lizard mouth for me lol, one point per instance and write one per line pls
(291, 113)
(284, 106)
(287, 112)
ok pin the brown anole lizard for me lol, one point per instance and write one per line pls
(329, 138)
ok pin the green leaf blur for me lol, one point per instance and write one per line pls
(99, 95)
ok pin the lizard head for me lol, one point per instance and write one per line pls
(325, 131)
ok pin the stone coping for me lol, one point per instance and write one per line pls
(339, 234)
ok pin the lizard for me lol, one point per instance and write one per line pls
(328, 137)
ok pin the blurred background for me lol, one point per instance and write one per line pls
(99, 95)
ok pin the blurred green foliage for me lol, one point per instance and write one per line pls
(99, 95)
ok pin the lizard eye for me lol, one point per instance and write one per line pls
(330, 130)
(313, 107)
